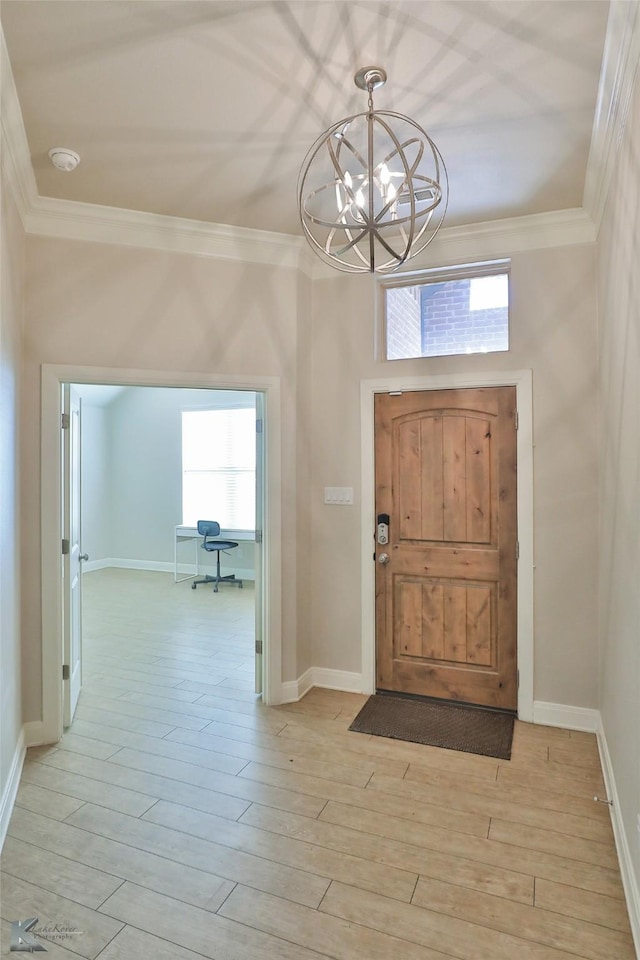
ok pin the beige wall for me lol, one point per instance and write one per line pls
(116, 307)
(553, 332)
(619, 389)
(303, 477)
(11, 308)
(92, 304)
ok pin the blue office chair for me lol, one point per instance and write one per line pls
(209, 529)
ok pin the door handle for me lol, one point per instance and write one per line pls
(83, 556)
(384, 558)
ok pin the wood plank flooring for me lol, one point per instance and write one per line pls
(179, 818)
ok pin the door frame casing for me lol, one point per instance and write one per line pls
(71, 561)
(50, 729)
(522, 380)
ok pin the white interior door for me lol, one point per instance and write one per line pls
(72, 557)
(259, 598)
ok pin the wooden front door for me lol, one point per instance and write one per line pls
(446, 595)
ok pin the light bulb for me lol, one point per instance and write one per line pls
(385, 176)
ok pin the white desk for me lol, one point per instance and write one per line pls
(182, 534)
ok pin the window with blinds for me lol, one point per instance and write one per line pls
(219, 467)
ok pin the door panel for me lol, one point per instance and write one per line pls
(72, 632)
(258, 556)
(446, 600)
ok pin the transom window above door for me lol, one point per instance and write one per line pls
(457, 311)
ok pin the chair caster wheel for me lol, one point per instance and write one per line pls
(193, 586)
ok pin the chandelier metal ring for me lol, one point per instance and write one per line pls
(373, 188)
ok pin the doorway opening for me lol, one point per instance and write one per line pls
(258, 556)
(151, 463)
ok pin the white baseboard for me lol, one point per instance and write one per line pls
(240, 574)
(582, 718)
(337, 680)
(36, 734)
(294, 690)
(549, 714)
(11, 787)
(562, 715)
(164, 566)
(89, 566)
(629, 881)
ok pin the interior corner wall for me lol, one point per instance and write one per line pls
(12, 242)
(303, 478)
(553, 332)
(619, 548)
(91, 304)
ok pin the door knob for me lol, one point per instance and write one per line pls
(83, 556)
(383, 558)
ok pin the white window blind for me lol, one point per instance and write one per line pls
(219, 467)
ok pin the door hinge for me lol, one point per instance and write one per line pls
(65, 547)
(66, 673)
(517, 420)
(258, 536)
(259, 426)
(259, 647)
(517, 549)
(518, 679)
(65, 421)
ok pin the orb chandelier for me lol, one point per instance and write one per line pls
(373, 189)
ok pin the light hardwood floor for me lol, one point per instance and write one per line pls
(179, 818)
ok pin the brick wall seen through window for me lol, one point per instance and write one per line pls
(436, 319)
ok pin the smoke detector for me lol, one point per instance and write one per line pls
(64, 159)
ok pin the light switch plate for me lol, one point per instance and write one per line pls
(338, 496)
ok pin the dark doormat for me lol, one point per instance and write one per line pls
(438, 723)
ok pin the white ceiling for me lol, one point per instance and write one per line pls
(205, 110)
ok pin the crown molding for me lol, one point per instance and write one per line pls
(50, 217)
(70, 220)
(617, 77)
(495, 239)
(87, 222)
(16, 157)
